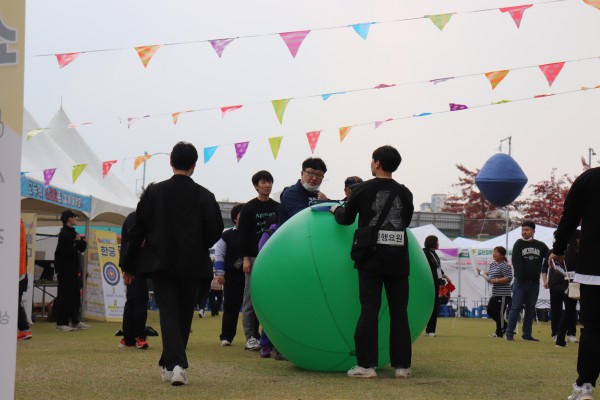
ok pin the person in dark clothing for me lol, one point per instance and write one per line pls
(349, 184)
(253, 221)
(178, 221)
(387, 265)
(582, 204)
(135, 312)
(66, 261)
(528, 255)
(431, 244)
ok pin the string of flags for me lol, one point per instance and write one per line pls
(312, 137)
(293, 40)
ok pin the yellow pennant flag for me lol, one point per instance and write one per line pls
(279, 106)
(77, 170)
(275, 143)
(146, 52)
(344, 132)
(440, 20)
(496, 77)
(141, 159)
(34, 132)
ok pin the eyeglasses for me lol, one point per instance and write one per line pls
(314, 174)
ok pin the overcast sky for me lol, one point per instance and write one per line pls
(107, 87)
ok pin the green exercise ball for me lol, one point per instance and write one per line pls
(305, 292)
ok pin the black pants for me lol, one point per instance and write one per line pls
(497, 307)
(202, 298)
(215, 299)
(431, 325)
(588, 360)
(233, 292)
(22, 323)
(556, 308)
(176, 297)
(568, 321)
(370, 284)
(135, 313)
(68, 299)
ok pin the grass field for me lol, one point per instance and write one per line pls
(462, 362)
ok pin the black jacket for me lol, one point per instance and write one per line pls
(66, 255)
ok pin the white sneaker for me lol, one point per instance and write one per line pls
(201, 313)
(80, 326)
(179, 376)
(554, 338)
(572, 339)
(64, 328)
(583, 392)
(430, 334)
(165, 375)
(403, 372)
(225, 342)
(252, 344)
(360, 372)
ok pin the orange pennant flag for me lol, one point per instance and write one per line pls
(175, 117)
(496, 77)
(593, 3)
(344, 132)
(146, 52)
(141, 159)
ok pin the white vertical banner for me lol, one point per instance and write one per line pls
(12, 45)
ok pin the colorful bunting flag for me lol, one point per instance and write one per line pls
(538, 96)
(48, 175)
(131, 121)
(34, 132)
(279, 106)
(240, 150)
(383, 86)
(593, 3)
(293, 40)
(440, 80)
(219, 45)
(457, 107)
(362, 29)
(328, 95)
(501, 102)
(77, 170)
(209, 152)
(146, 52)
(344, 132)
(378, 123)
(516, 12)
(106, 166)
(551, 71)
(440, 20)
(424, 114)
(141, 159)
(66, 59)
(73, 125)
(496, 77)
(175, 117)
(275, 143)
(313, 138)
(225, 110)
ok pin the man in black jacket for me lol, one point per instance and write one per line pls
(66, 261)
(583, 205)
(179, 221)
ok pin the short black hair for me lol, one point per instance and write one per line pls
(183, 156)
(431, 241)
(235, 211)
(529, 224)
(315, 163)
(388, 157)
(260, 175)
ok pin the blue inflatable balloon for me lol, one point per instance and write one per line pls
(501, 180)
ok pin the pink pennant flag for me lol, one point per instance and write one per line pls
(593, 3)
(48, 175)
(378, 123)
(106, 166)
(146, 53)
(344, 132)
(293, 40)
(383, 86)
(313, 138)
(240, 150)
(539, 96)
(225, 110)
(551, 71)
(516, 12)
(219, 45)
(66, 59)
(131, 121)
(175, 117)
(457, 107)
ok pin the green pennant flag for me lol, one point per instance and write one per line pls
(77, 170)
(440, 20)
(501, 102)
(275, 143)
(279, 106)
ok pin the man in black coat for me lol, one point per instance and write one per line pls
(179, 221)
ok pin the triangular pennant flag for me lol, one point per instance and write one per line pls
(496, 77)
(175, 117)
(440, 20)
(240, 150)
(279, 106)
(48, 175)
(293, 40)
(344, 132)
(457, 107)
(209, 152)
(275, 143)
(34, 132)
(440, 80)
(77, 170)
(378, 123)
(146, 53)
(384, 85)
(106, 166)
(313, 138)
(551, 71)
(537, 96)
(423, 114)
(362, 29)
(66, 59)
(593, 3)
(132, 120)
(501, 102)
(219, 45)
(516, 12)
(141, 159)
(225, 110)
(328, 95)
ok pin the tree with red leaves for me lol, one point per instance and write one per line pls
(470, 201)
